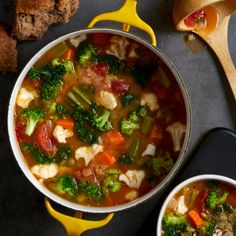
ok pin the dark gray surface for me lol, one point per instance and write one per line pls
(21, 206)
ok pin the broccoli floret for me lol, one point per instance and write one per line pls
(67, 184)
(68, 65)
(33, 116)
(141, 111)
(162, 165)
(63, 154)
(126, 99)
(37, 73)
(92, 190)
(52, 77)
(114, 63)
(61, 111)
(38, 156)
(174, 225)
(128, 127)
(52, 82)
(207, 228)
(100, 117)
(132, 116)
(86, 54)
(83, 126)
(213, 199)
(111, 183)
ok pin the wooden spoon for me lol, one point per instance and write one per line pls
(217, 35)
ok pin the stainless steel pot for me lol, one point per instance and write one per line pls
(20, 159)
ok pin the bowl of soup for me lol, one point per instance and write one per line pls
(201, 205)
(99, 120)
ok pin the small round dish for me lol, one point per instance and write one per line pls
(188, 182)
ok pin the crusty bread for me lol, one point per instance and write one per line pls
(8, 53)
(34, 17)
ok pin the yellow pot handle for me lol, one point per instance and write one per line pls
(75, 226)
(128, 16)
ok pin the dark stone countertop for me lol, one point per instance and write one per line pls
(22, 210)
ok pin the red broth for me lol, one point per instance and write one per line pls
(202, 208)
(102, 122)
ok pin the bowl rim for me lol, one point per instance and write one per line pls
(22, 163)
(184, 183)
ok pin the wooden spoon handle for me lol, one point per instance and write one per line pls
(218, 41)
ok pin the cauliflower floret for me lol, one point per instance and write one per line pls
(118, 47)
(181, 208)
(77, 40)
(150, 99)
(108, 100)
(61, 134)
(25, 97)
(131, 195)
(133, 178)
(176, 131)
(45, 171)
(88, 153)
(132, 52)
(150, 150)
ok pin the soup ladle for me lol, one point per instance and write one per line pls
(217, 36)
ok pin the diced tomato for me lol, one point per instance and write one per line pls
(157, 132)
(101, 38)
(42, 137)
(20, 131)
(119, 87)
(100, 69)
(161, 93)
(196, 20)
(144, 188)
(34, 83)
(232, 199)
(86, 174)
(200, 201)
(78, 174)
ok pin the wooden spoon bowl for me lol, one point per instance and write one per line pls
(216, 35)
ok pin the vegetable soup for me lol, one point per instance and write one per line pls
(100, 120)
(202, 208)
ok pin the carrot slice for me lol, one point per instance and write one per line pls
(196, 219)
(106, 159)
(116, 138)
(69, 55)
(66, 123)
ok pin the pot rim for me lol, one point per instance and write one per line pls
(185, 183)
(22, 163)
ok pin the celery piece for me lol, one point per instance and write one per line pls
(134, 149)
(79, 98)
(147, 124)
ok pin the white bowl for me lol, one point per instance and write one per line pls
(182, 185)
